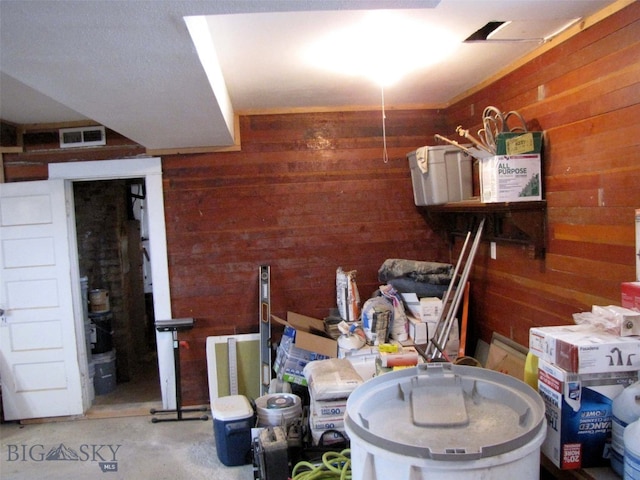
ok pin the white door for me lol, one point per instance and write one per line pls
(39, 367)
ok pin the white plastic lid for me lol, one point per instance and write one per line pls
(445, 412)
(232, 407)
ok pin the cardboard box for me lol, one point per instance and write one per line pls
(630, 292)
(309, 334)
(417, 330)
(412, 302)
(299, 345)
(291, 360)
(504, 358)
(453, 344)
(626, 321)
(585, 349)
(430, 309)
(511, 178)
(578, 412)
(427, 309)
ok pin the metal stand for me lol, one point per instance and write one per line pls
(174, 326)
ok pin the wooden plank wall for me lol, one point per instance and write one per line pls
(585, 95)
(307, 194)
(310, 192)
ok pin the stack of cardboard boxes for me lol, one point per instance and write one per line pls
(303, 341)
(423, 315)
(581, 369)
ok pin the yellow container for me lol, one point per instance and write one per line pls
(531, 371)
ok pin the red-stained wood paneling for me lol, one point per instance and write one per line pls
(308, 193)
(585, 95)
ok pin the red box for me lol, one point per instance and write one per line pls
(631, 295)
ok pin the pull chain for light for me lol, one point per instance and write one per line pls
(385, 154)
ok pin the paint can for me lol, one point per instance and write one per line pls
(99, 300)
(278, 409)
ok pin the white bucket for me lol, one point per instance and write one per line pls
(625, 410)
(278, 409)
(632, 451)
(445, 421)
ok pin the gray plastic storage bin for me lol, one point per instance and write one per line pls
(448, 178)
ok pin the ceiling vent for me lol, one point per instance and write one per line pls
(521, 30)
(82, 137)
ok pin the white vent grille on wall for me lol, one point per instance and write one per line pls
(82, 137)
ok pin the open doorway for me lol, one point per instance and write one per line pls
(150, 169)
(113, 244)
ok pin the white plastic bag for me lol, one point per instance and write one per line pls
(347, 296)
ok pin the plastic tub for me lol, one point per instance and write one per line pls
(448, 177)
(632, 451)
(104, 380)
(626, 410)
(445, 421)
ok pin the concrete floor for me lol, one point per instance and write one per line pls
(128, 447)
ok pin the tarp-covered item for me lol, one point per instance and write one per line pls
(421, 289)
(427, 272)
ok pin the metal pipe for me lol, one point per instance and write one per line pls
(478, 143)
(445, 299)
(460, 291)
(455, 144)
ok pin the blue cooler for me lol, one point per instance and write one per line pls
(233, 419)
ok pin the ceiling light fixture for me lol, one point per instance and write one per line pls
(383, 47)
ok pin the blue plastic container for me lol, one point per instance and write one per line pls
(233, 418)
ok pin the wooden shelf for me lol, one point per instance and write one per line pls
(522, 223)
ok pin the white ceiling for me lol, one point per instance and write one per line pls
(132, 65)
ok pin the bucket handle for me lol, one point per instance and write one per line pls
(436, 398)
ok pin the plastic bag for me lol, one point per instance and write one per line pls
(347, 296)
(377, 316)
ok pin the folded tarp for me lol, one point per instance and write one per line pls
(425, 272)
(421, 289)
